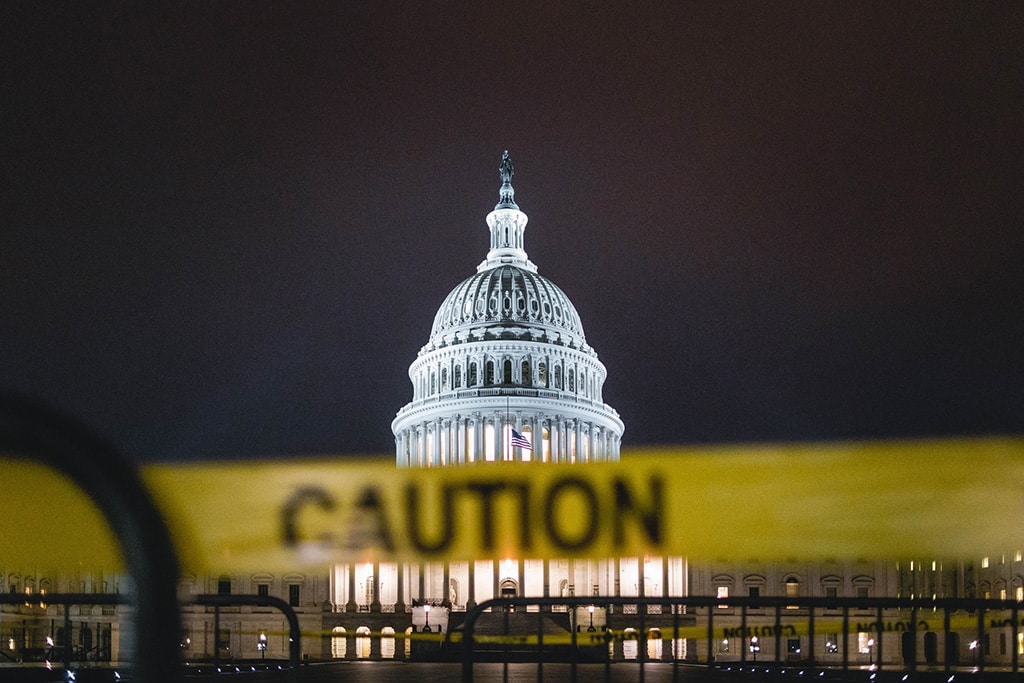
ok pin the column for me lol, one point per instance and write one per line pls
(422, 439)
(436, 460)
(579, 440)
(350, 604)
(471, 598)
(521, 578)
(375, 603)
(446, 584)
(547, 583)
(496, 591)
(499, 437)
(478, 437)
(556, 430)
(400, 604)
(460, 440)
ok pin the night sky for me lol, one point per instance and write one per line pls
(227, 227)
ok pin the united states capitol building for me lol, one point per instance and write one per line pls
(506, 375)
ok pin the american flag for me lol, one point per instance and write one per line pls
(521, 441)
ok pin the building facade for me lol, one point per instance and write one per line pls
(507, 375)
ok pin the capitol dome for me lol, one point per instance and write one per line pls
(506, 374)
(507, 302)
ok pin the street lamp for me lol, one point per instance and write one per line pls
(426, 618)
(590, 608)
(261, 645)
(755, 647)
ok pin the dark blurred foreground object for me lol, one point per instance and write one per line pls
(29, 430)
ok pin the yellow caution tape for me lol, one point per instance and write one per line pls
(760, 626)
(928, 499)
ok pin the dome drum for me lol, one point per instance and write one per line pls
(525, 364)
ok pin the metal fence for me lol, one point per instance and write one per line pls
(811, 636)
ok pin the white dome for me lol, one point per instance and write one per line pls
(507, 302)
(506, 355)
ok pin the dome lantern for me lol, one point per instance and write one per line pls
(507, 224)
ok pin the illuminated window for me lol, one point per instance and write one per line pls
(1017, 556)
(1019, 593)
(984, 563)
(792, 590)
(339, 642)
(723, 592)
(832, 643)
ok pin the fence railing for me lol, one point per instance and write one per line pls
(872, 634)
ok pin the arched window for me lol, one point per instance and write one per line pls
(387, 643)
(558, 377)
(363, 642)
(572, 380)
(542, 374)
(489, 374)
(792, 589)
(507, 372)
(472, 374)
(433, 382)
(444, 379)
(339, 642)
(527, 379)
(458, 376)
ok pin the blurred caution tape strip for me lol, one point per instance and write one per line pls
(689, 627)
(948, 498)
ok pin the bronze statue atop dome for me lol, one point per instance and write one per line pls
(506, 169)
(507, 196)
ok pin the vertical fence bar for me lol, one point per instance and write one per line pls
(879, 630)
(810, 639)
(711, 635)
(979, 648)
(946, 644)
(913, 639)
(846, 637)
(675, 639)
(745, 642)
(778, 633)
(540, 643)
(641, 644)
(1014, 656)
